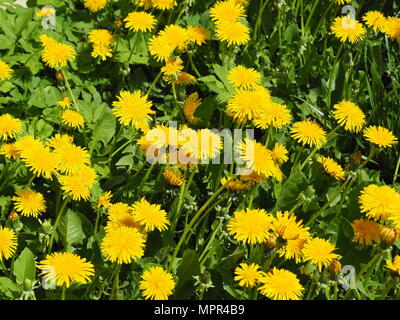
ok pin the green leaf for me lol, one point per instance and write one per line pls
(290, 190)
(8, 288)
(188, 268)
(70, 229)
(24, 266)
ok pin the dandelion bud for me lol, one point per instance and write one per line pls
(356, 158)
(59, 76)
(13, 216)
(27, 285)
(46, 226)
(310, 191)
(335, 267)
(270, 242)
(389, 234)
(118, 23)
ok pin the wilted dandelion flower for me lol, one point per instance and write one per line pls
(319, 252)
(134, 109)
(9, 126)
(273, 114)
(72, 119)
(8, 242)
(393, 265)
(190, 106)
(247, 274)
(227, 11)
(349, 115)
(9, 151)
(104, 200)
(151, 216)
(29, 203)
(375, 20)
(348, 29)
(378, 202)
(164, 4)
(331, 167)
(281, 284)
(242, 77)
(257, 157)
(5, 71)
(366, 231)
(380, 136)
(122, 245)
(157, 284)
(250, 226)
(309, 132)
(173, 177)
(172, 67)
(57, 55)
(140, 22)
(280, 153)
(94, 5)
(233, 33)
(65, 103)
(198, 34)
(65, 268)
(392, 28)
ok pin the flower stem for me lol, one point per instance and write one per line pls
(63, 292)
(60, 213)
(154, 83)
(114, 292)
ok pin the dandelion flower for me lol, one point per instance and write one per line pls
(233, 33)
(74, 187)
(281, 284)
(160, 48)
(29, 203)
(235, 184)
(227, 11)
(134, 109)
(140, 22)
(147, 4)
(393, 265)
(198, 35)
(126, 220)
(104, 200)
(190, 106)
(72, 119)
(157, 284)
(331, 167)
(66, 268)
(57, 55)
(118, 209)
(349, 115)
(380, 136)
(100, 36)
(164, 4)
(242, 77)
(309, 132)
(375, 20)
(273, 114)
(87, 175)
(247, 274)
(378, 202)
(94, 5)
(5, 71)
(293, 249)
(280, 153)
(185, 78)
(9, 126)
(71, 158)
(348, 29)
(287, 227)
(9, 151)
(151, 216)
(122, 245)
(203, 146)
(65, 103)
(392, 28)
(8, 242)
(172, 67)
(319, 252)
(44, 12)
(173, 177)
(59, 140)
(366, 231)
(250, 226)
(341, 1)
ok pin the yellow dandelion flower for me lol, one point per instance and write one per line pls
(5, 71)
(122, 245)
(44, 12)
(203, 146)
(147, 4)
(247, 274)
(160, 48)
(392, 28)
(151, 216)
(245, 78)
(87, 175)
(164, 4)
(57, 55)
(126, 220)
(198, 35)
(366, 231)
(8, 242)
(380, 136)
(235, 184)
(281, 284)
(28, 144)
(74, 187)
(65, 103)
(134, 109)
(309, 132)
(172, 67)
(331, 167)
(280, 153)
(100, 36)
(29, 203)
(72, 119)
(71, 158)
(65, 268)
(46, 41)
(184, 78)
(257, 157)
(341, 1)
(94, 5)
(9, 151)
(389, 235)
(293, 249)
(348, 29)
(190, 106)
(319, 252)
(233, 33)
(59, 140)
(156, 283)
(287, 227)
(375, 20)
(176, 36)
(118, 209)
(250, 226)
(379, 202)
(9, 126)
(101, 50)
(104, 200)
(140, 22)
(349, 115)
(173, 177)
(393, 265)
(229, 11)
(273, 114)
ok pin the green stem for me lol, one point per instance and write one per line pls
(321, 20)
(261, 9)
(203, 256)
(63, 292)
(58, 219)
(196, 71)
(146, 176)
(296, 161)
(153, 84)
(396, 172)
(70, 90)
(311, 14)
(329, 93)
(96, 225)
(28, 184)
(114, 291)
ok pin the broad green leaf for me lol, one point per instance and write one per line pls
(188, 268)
(70, 228)
(291, 189)
(24, 266)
